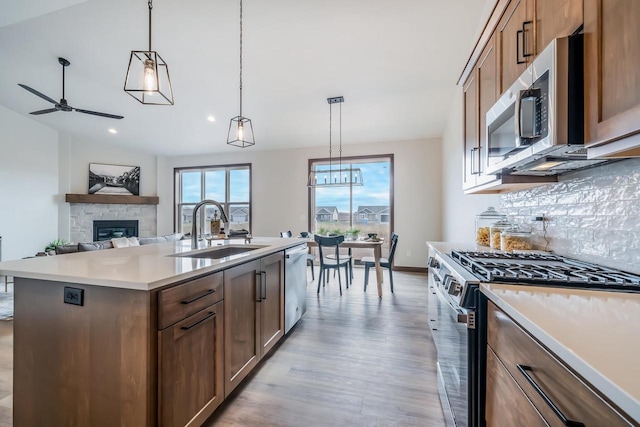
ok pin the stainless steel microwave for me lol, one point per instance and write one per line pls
(537, 125)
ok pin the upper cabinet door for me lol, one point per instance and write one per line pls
(556, 18)
(612, 80)
(470, 155)
(516, 42)
(488, 95)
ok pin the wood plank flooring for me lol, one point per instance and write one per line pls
(354, 360)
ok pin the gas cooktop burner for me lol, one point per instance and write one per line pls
(544, 269)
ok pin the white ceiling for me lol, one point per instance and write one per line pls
(396, 63)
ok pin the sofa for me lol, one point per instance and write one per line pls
(116, 242)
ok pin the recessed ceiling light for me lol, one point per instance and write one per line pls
(112, 130)
(211, 119)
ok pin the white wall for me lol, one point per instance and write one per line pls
(28, 185)
(76, 153)
(458, 210)
(280, 196)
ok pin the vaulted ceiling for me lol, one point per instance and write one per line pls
(395, 62)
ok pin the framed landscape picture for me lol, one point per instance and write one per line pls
(114, 179)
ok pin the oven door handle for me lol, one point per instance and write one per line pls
(458, 315)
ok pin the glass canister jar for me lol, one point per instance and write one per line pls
(516, 238)
(495, 230)
(483, 225)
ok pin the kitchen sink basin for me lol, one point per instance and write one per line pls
(220, 252)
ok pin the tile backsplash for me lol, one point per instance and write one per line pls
(593, 214)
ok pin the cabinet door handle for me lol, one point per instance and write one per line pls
(523, 370)
(524, 39)
(263, 289)
(258, 286)
(189, 301)
(211, 314)
(518, 33)
(474, 171)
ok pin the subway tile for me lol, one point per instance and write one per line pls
(595, 249)
(582, 209)
(612, 208)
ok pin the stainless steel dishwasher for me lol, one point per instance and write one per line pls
(295, 285)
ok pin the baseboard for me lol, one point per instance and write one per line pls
(410, 269)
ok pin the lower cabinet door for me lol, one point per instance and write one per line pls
(507, 405)
(242, 299)
(191, 381)
(272, 305)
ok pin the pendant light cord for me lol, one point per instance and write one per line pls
(150, 7)
(330, 108)
(240, 58)
(340, 139)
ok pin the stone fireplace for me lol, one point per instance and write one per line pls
(83, 215)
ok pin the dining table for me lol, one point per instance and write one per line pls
(376, 245)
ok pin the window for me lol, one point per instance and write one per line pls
(367, 208)
(230, 185)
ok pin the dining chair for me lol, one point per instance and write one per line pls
(384, 262)
(331, 246)
(310, 257)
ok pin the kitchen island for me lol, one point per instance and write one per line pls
(142, 336)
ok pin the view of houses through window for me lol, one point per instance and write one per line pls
(355, 210)
(228, 185)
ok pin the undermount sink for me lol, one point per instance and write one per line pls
(220, 252)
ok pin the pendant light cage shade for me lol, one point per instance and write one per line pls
(327, 177)
(148, 78)
(240, 132)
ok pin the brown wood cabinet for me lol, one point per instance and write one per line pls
(191, 363)
(515, 41)
(254, 322)
(471, 154)
(612, 80)
(272, 304)
(543, 378)
(556, 18)
(503, 392)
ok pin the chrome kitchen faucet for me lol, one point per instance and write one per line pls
(194, 227)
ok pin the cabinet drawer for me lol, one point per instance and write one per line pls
(179, 302)
(503, 392)
(528, 362)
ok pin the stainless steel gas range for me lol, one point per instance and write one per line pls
(457, 312)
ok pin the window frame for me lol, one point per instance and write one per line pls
(352, 160)
(226, 204)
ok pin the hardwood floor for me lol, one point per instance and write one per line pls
(354, 360)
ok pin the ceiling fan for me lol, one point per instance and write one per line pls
(62, 105)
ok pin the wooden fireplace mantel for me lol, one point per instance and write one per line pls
(111, 199)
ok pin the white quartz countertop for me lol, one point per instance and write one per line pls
(596, 333)
(139, 267)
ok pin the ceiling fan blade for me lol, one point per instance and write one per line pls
(50, 110)
(95, 113)
(35, 92)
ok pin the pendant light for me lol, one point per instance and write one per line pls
(335, 177)
(240, 128)
(148, 75)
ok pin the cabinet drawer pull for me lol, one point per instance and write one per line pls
(211, 314)
(523, 370)
(258, 286)
(263, 290)
(189, 301)
(518, 33)
(524, 39)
